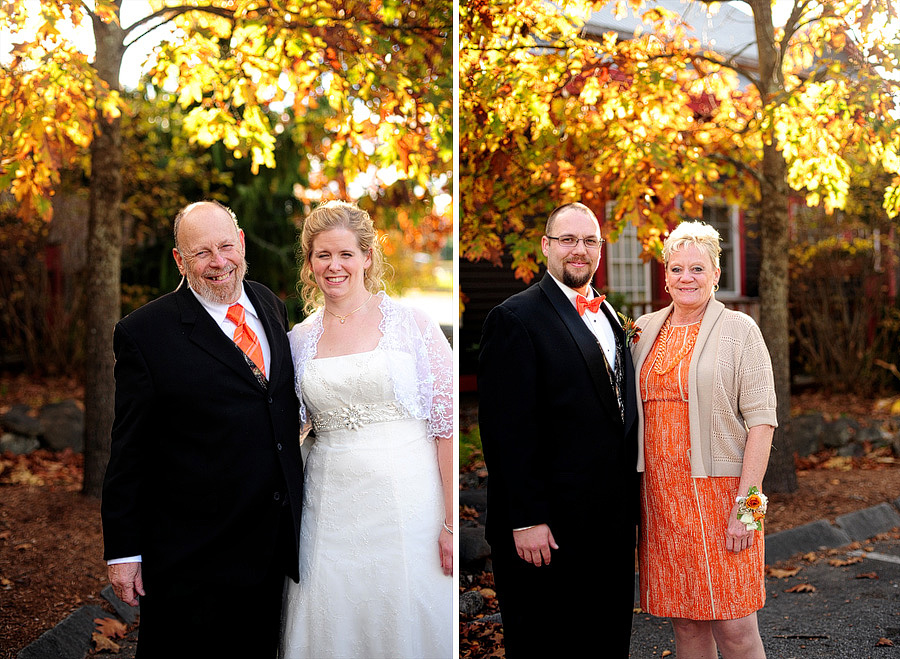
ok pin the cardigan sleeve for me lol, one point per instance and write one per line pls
(756, 381)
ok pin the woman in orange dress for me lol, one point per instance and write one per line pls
(705, 377)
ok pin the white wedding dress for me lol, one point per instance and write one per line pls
(371, 584)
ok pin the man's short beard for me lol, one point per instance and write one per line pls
(209, 293)
(576, 281)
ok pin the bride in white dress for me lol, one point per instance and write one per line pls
(375, 384)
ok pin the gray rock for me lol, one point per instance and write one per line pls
(807, 431)
(62, 426)
(873, 434)
(474, 498)
(471, 603)
(19, 422)
(840, 432)
(472, 545)
(851, 450)
(18, 444)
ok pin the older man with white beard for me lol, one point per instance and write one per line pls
(201, 503)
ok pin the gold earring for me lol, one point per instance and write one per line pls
(715, 288)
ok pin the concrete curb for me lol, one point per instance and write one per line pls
(71, 638)
(856, 526)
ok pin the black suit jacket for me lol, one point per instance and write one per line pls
(204, 459)
(556, 448)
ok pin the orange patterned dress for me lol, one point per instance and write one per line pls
(685, 570)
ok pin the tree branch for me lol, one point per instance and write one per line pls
(169, 14)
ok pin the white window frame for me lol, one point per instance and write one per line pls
(735, 242)
(625, 253)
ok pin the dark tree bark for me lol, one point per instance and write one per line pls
(104, 265)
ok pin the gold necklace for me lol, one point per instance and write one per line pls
(346, 316)
(660, 365)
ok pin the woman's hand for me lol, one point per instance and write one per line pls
(737, 537)
(445, 545)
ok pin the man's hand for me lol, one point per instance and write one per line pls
(533, 545)
(126, 581)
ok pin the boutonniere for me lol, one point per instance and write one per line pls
(632, 331)
(752, 509)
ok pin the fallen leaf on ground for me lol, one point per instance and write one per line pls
(884, 642)
(801, 588)
(842, 562)
(104, 643)
(467, 512)
(111, 628)
(783, 573)
(867, 575)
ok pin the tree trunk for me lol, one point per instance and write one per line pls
(773, 308)
(773, 276)
(104, 249)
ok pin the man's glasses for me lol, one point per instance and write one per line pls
(571, 241)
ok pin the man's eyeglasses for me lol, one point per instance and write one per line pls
(571, 241)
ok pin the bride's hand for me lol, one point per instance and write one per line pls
(445, 544)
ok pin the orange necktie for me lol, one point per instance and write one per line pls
(245, 338)
(581, 303)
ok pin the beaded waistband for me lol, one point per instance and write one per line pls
(352, 417)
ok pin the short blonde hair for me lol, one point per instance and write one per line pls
(336, 214)
(696, 233)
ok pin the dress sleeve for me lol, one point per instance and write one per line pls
(304, 340)
(429, 394)
(440, 365)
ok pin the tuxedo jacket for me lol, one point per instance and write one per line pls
(205, 461)
(555, 444)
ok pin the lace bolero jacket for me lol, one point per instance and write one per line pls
(403, 329)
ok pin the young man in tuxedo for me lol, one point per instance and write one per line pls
(201, 502)
(558, 420)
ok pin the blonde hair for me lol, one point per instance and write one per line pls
(696, 233)
(336, 214)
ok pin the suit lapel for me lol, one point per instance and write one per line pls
(208, 336)
(586, 342)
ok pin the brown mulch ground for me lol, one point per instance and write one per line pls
(51, 543)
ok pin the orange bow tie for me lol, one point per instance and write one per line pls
(581, 303)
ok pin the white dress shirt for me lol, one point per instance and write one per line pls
(218, 312)
(598, 322)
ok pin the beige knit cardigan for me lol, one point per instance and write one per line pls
(731, 387)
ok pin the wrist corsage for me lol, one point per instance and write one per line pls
(752, 509)
(632, 331)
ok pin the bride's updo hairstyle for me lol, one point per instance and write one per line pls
(336, 214)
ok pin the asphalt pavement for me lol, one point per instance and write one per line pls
(844, 604)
